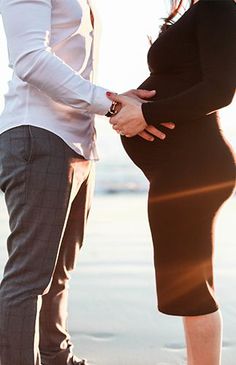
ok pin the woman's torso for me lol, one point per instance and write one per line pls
(175, 66)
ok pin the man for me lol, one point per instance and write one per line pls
(47, 149)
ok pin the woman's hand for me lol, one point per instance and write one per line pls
(130, 121)
(151, 131)
(139, 94)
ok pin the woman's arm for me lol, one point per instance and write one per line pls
(216, 36)
(27, 25)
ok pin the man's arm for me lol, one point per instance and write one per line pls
(27, 25)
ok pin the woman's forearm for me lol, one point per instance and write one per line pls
(202, 99)
(215, 32)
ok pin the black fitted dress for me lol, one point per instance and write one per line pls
(192, 172)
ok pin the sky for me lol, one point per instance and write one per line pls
(121, 48)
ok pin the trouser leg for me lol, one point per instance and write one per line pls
(55, 344)
(40, 177)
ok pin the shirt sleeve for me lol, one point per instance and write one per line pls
(215, 30)
(27, 25)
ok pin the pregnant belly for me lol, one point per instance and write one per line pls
(141, 151)
(196, 144)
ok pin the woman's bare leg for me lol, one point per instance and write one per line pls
(204, 339)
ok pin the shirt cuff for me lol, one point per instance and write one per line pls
(100, 103)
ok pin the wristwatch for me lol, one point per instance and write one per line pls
(112, 111)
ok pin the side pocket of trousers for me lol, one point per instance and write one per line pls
(16, 151)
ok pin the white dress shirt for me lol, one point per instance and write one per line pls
(50, 45)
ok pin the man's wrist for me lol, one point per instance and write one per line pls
(112, 111)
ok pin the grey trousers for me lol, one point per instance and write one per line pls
(48, 190)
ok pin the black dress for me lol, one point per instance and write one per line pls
(192, 172)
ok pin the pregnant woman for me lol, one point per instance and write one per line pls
(47, 153)
(191, 171)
